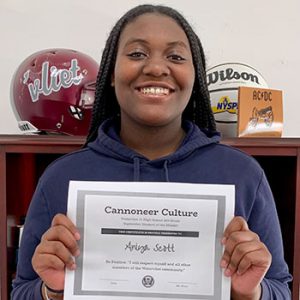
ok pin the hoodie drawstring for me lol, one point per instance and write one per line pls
(166, 170)
(136, 169)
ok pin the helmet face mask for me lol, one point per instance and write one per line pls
(53, 92)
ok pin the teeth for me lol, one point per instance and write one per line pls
(155, 91)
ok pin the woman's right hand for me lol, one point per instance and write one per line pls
(55, 252)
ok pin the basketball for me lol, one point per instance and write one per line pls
(223, 83)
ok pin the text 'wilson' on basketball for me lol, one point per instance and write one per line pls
(229, 74)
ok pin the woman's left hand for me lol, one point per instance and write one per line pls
(246, 260)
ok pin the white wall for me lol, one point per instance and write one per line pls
(262, 33)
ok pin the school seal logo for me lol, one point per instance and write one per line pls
(148, 281)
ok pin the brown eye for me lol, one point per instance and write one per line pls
(137, 55)
(176, 58)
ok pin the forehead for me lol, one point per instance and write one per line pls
(156, 26)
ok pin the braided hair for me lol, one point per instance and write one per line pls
(106, 105)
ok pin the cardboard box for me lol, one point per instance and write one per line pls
(260, 112)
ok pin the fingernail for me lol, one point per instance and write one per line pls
(77, 253)
(227, 273)
(223, 241)
(77, 236)
(73, 266)
(223, 263)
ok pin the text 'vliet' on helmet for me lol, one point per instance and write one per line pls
(53, 91)
(223, 83)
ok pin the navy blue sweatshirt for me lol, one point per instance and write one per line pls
(199, 159)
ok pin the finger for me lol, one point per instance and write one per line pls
(63, 220)
(235, 239)
(63, 235)
(241, 254)
(42, 262)
(260, 258)
(236, 224)
(58, 250)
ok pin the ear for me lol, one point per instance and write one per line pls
(112, 79)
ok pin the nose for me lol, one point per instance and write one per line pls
(156, 67)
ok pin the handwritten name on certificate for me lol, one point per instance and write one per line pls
(142, 240)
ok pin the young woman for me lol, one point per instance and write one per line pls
(152, 121)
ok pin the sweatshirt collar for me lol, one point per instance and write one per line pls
(109, 143)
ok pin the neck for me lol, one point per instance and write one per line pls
(152, 142)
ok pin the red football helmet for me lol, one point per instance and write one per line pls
(53, 91)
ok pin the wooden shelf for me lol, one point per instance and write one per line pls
(24, 158)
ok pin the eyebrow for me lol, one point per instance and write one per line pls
(170, 44)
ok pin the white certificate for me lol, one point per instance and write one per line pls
(142, 240)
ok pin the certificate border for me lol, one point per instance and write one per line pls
(81, 198)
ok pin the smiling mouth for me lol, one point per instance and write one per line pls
(155, 91)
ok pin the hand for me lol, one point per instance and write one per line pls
(246, 260)
(54, 253)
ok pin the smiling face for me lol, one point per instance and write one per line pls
(154, 73)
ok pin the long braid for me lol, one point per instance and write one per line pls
(198, 109)
(104, 90)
